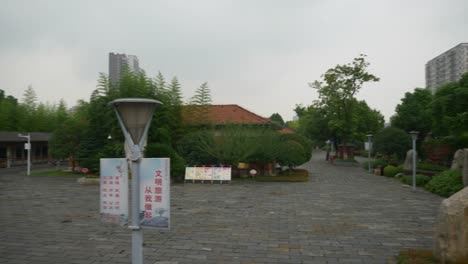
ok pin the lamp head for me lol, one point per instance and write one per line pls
(135, 115)
(414, 134)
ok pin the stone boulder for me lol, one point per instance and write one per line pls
(408, 165)
(458, 158)
(465, 168)
(451, 229)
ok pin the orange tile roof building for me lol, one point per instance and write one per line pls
(220, 115)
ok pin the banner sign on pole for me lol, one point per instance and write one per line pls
(114, 191)
(155, 193)
(208, 173)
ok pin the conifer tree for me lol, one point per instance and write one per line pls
(202, 95)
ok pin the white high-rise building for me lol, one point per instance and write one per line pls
(447, 67)
(117, 62)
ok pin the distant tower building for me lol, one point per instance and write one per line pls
(447, 67)
(117, 62)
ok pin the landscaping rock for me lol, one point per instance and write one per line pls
(465, 168)
(408, 165)
(451, 229)
(458, 158)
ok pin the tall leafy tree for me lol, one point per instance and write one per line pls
(337, 94)
(449, 108)
(366, 120)
(414, 112)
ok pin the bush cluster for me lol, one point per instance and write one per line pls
(421, 180)
(430, 167)
(391, 171)
(446, 183)
(378, 163)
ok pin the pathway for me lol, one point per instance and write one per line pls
(342, 215)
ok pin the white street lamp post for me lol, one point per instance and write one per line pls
(414, 137)
(369, 140)
(134, 115)
(28, 148)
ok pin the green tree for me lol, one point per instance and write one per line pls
(392, 141)
(202, 95)
(29, 98)
(160, 84)
(337, 94)
(365, 121)
(313, 124)
(449, 109)
(277, 119)
(414, 112)
(8, 112)
(66, 140)
(175, 92)
(61, 112)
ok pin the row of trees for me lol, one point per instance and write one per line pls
(337, 114)
(444, 113)
(29, 115)
(91, 131)
(440, 118)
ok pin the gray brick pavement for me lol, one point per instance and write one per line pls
(342, 215)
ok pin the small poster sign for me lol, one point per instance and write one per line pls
(114, 191)
(155, 193)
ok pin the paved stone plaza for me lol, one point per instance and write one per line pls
(342, 215)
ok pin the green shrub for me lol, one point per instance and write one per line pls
(430, 167)
(400, 168)
(378, 163)
(421, 180)
(390, 171)
(446, 183)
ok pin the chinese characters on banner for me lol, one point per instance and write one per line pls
(114, 191)
(155, 193)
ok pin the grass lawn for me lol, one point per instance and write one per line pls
(53, 173)
(296, 175)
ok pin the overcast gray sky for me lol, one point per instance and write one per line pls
(257, 54)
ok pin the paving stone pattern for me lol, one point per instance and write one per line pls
(342, 215)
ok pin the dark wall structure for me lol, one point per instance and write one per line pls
(13, 152)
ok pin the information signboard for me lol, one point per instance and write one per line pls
(155, 193)
(114, 191)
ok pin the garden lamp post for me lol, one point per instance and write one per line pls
(28, 148)
(414, 137)
(134, 115)
(369, 142)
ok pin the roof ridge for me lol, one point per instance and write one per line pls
(266, 119)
